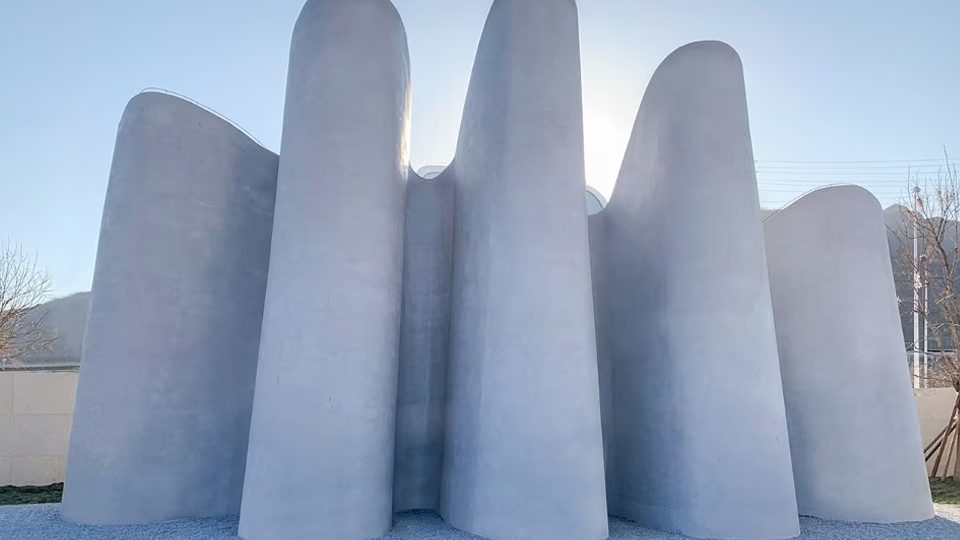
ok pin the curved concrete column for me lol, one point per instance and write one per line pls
(424, 338)
(853, 428)
(322, 436)
(697, 434)
(169, 359)
(597, 234)
(523, 453)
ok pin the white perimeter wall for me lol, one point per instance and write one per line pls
(933, 410)
(36, 411)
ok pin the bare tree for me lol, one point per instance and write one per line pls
(24, 286)
(930, 244)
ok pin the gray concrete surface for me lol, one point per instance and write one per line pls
(463, 373)
(424, 339)
(693, 405)
(163, 404)
(42, 522)
(523, 453)
(322, 435)
(853, 426)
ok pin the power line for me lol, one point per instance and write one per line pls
(829, 173)
(808, 189)
(779, 165)
(809, 186)
(851, 180)
(836, 180)
(887, 179)
(905, 161)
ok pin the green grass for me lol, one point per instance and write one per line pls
(30, 494)
(945, 491)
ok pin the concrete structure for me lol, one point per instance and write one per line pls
(36, 400)
(36, 409)
(837, 322)
(170, 353)
(431, 343)
(595, 201)
(934, 407)
(685, 321)
(523, 454)
(322, 435)
(424, 342)
(431, 171)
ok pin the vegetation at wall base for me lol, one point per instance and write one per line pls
(945, 491)
(30, 494)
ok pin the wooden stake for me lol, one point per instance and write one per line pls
(956, 455)
(944, 440)
(935, 440)
(934, 446)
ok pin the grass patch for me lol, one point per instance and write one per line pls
(30, 494)
(945, 491)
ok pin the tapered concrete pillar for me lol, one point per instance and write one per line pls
(696, 423)
(169, 358)
(322, 436)
(598, 236)
(424, 338)
(523, 454)
(853, 426)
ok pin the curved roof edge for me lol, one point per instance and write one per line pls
(830, 187)
(214, 112)
(601, 201)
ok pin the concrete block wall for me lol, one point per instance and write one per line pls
(36, 411)
(934, 406)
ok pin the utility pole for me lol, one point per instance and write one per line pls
(916, 291)
(926, 325)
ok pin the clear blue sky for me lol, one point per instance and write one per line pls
(826, 80)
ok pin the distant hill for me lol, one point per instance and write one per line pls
(900, 247)
(66, 319)
(894, 218)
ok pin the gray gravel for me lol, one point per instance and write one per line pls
(42, 522)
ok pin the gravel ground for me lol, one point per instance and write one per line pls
(42, 522)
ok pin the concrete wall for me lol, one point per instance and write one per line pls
(523, 452)
(170, 350)
(681, 281)
(424, 343)
(322, 436)
(36, 410)
(837, 323)
(934, 406)
(464, 373)
(29, 396)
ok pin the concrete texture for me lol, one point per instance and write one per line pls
(42, 522)
(322, 436)
(693, 408)
(595, 201)
(424, 342)
(523, 453)
(854, 435)
(36, 410)
(169, 357)
(462, 372)
(934, 408)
